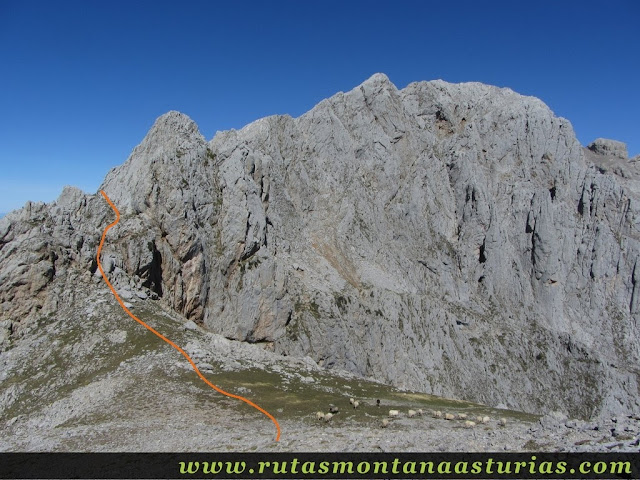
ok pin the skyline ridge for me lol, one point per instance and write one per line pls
(85, 81)
(378, 76)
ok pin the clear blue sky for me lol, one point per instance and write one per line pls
(82, 82)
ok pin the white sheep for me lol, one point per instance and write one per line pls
(394, 413)
(420, 412)
(351, 401)
(385, 423)
(502, 422)
(449, 416)
(411, 413)
(319, 416)
(356, 404)
(333, 408)
(462, 416)
(328, 417)
(469, 424)
(485, 419)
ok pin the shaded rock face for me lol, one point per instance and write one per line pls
(452, 239)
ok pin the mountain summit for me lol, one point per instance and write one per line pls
(453, 239)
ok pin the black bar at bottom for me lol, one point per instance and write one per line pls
(318, 465)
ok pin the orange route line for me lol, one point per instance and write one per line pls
(104, 234)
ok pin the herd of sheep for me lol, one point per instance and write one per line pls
(393, 414)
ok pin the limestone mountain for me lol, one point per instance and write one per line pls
(454, 239)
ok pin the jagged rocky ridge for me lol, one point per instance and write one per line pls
(452, 239)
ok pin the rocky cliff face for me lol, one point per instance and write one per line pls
(453, 239)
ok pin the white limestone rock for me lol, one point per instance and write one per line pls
(609, 148)
(452, 239)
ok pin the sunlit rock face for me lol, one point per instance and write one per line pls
(451, 239)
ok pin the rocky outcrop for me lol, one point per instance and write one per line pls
(609, 148)
(610, 156)
(453, 239)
